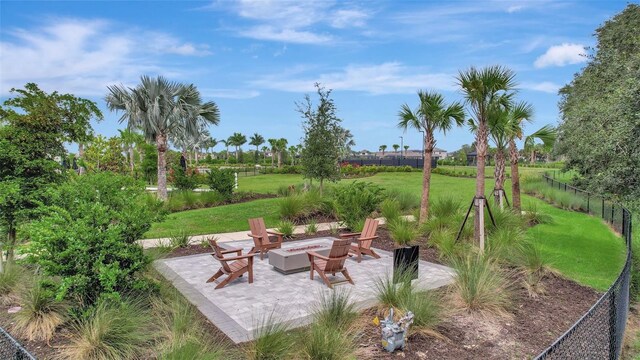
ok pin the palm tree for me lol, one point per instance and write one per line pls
(431, 115)
(518, 114)
(256, 140)
(383, 148)
(281, 145)
(293, 151)
(264, 151)
(395, 147)
(498, 121)
(158, 107)
(547, 134)
(226, 144)
(274, 144)
(129, 139)
(237, 140)
(483, 89)
(406, 147)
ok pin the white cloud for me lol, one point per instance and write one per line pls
(84, 56)
(267, 32)
(545, 86)
(386, 78)
(348, 18)
(229, 93)
(561, 55)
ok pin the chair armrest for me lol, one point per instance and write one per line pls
(239, 251)
(255, 236)
(367, 238)
(273, 232)
(250, 255)
(349, 235)
(313, 254)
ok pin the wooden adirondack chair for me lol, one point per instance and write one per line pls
(363, 240)
(232, 266)
(331, 264)
(260, 234)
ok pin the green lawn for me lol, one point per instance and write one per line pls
(579, 246)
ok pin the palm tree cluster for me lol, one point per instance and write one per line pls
(162, 110)
(490, 96)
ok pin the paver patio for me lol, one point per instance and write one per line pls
(238, 308)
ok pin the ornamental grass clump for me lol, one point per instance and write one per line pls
(286, 227)
(390, 210)
(321, 341)
(311, 228)
(533, 216)
(111, 330)
(180, 239)
(9, 279)
(403, 232)
(535, 267)
(292, 207)
(41, 313)
(480, 285)
(335, 309)
(272, 340)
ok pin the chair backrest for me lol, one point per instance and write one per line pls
(217, 253)
(258, 227)
(338, 254)
(369, 230)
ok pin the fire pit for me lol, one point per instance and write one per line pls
(304, 248)
(294, 259)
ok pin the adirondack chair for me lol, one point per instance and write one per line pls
(260, 235)
(331, 264)
(363, 240)
(232, 266)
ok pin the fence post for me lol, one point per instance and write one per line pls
(612, 327)
(603, 209)
(588, 208)
(613, 214)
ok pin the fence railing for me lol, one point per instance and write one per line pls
(11, 349)
(417, 163)
(599, 333)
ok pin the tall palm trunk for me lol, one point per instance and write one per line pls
(161, 141)
(272, 156)
(499, 174)
(426, 176)
(279, 159)
(481, 151)
(196, 151)
(533, 156)
(237, 154)
(515, 177)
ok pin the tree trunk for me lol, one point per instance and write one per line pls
(11, 242)
(272, 158)
(279, 159)
(533, 157)
(481, 151)
(161, 141)
(499, 174)
(196, 155)
(515, 177)
(237, 154)
(429, 143)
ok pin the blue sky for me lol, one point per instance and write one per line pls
(255, 59)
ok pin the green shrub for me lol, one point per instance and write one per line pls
(328, 343)
(403, 232)
(445, 207)
(286, 227)
(88, 237)
(194, 349)
(445, 241)
(533, 216)
(271, 341)
(221, 180)
(504, 244)
(406, 200)
(311, 228)
(534, 266)
(179, 239)
(211, 198)
(480, 285)
(390, 210)
(184, 180)
(335, 310)
(505, 219)
(356, 201)
(41, 313)
(292, 207)
(111, 330)
(9, 279)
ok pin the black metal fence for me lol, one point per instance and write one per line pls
(599, 333)
(392, 161)
(11, 349)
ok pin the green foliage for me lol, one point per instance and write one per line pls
(390, 210)
(222, 181)
(292, 207)
(406, 200)
(311, 228)
(321, 143)
(111, 330)
(272, 340)
(480, 285)
(356, 201)
(611, 122)
(194, 349)
(41, 313)
(149, 164)
(180, 239)
(9, 279)
(34, 127)
(335, 310)
(184, 180)
(533, 216)
(88, 237)
(446, 207)
(325, 342)
(286, 227)
(403, 232)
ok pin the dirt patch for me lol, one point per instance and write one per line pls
(535, 324)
